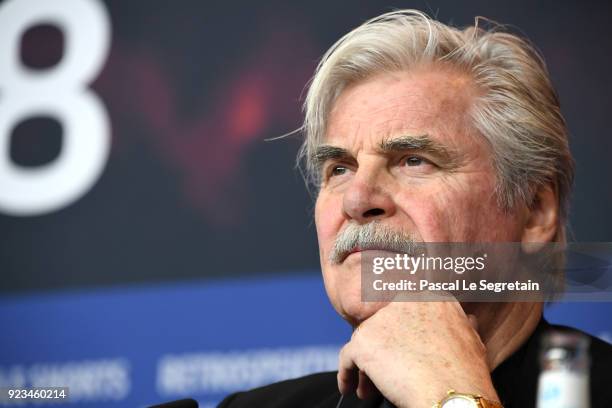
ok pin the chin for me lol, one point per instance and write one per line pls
(355, 311)
(343, 286)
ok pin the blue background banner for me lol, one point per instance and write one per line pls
(138, 345)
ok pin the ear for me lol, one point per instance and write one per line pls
(542, 219)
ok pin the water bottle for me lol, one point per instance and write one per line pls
(564, 376)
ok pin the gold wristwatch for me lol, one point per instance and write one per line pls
(458, 400)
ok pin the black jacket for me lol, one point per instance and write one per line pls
(515, 381)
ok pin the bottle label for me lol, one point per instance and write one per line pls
(563, 389)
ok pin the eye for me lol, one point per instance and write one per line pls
(413, 161)
(338, 170)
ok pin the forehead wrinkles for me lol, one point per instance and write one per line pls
(397, 120)
(370, 104)
(423, 87)
(356, 126)
(435, 102)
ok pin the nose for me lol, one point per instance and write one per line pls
(366, 199)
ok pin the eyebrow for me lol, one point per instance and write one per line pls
(421, 143)
(324, 153)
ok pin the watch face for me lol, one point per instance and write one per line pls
(459, 402)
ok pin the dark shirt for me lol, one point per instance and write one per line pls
(515, 380)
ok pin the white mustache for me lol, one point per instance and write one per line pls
(372, 235)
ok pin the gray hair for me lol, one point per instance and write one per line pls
(517, 110)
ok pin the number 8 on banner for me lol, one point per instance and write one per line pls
(60, 92)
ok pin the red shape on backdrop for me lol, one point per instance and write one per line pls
(208, 148)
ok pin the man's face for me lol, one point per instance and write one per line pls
(400, 150)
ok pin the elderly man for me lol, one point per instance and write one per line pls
(421, 132)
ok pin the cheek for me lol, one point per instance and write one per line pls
(453, 211)
(328, 221)
(478, 216)
(429, 215)
(475, 215)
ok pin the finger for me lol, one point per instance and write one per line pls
(473, 321)
(348, 378)
(366, 388)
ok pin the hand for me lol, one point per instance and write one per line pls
(413, 353)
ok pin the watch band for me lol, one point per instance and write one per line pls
(485, 403)
(479, 400)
